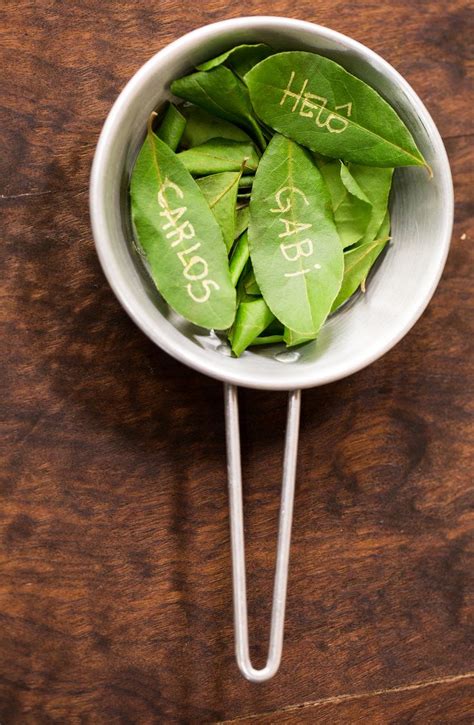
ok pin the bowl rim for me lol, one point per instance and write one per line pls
(192, 355)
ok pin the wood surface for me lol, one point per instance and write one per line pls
(115, 588)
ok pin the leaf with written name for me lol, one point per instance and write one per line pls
(357, 264)
(202, 126)
(221, 93)
(240, 59)
(352, 209)
(317, 103)
(180, 237)
(294, 245)
(218, 155)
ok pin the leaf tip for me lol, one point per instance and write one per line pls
(149, 124)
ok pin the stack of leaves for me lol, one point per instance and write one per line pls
(261, 202)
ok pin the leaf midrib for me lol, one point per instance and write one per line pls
(372, 245)
(226, 191)
(358, 126)
(293, 216)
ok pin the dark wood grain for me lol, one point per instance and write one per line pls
(449, 702)
(115, 595)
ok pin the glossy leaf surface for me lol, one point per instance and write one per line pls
(180, 237)
(220, 191)
(221, 93)
(217, 155)
(317, 103)
(294, 245)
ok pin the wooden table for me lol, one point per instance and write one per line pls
(115, 589)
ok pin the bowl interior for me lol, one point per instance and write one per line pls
(397, 291)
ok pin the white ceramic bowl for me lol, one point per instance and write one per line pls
(422, 214)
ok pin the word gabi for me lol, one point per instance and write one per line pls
(293, 251)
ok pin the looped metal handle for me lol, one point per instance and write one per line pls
(234, 473)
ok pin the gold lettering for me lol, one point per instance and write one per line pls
(292, 227)
(182, 233)
(292, 252)
(167, 184)
(297, 274)
(287, 207)
(182, 254)
(173, 216)
(292, 94)
(193, 262)
(207, 284)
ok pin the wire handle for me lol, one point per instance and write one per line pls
(234, 474)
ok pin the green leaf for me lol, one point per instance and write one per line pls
(274, 328)
(172, 127)
(240, 59)
(220, 191)
(267, 340)
(294, 245)
(253, 317)
(357, 264)
(218, 155)
(376, 184)
(352, 209)
(242, 221)
(250, 283)
(314, 101)
(246, 181)
(221, 93)
(202, 126)
(292, 338)
(239, 258)
(384, 231)
(180, 237)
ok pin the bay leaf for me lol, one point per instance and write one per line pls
(267, 340)
(351, 207)
(180, 237)
(172, 127)
(242, 220)
(221, 93)
(376, 184)
(246, 181)
(240, 59)
(274, 328)
(384, 230)
(292, 338)
(317, 103)
(253, 316)
(202, 126)
(220, 191)
(250, 284)
(294, 245)
(218, 155)
(357, 264)
(239, 258)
